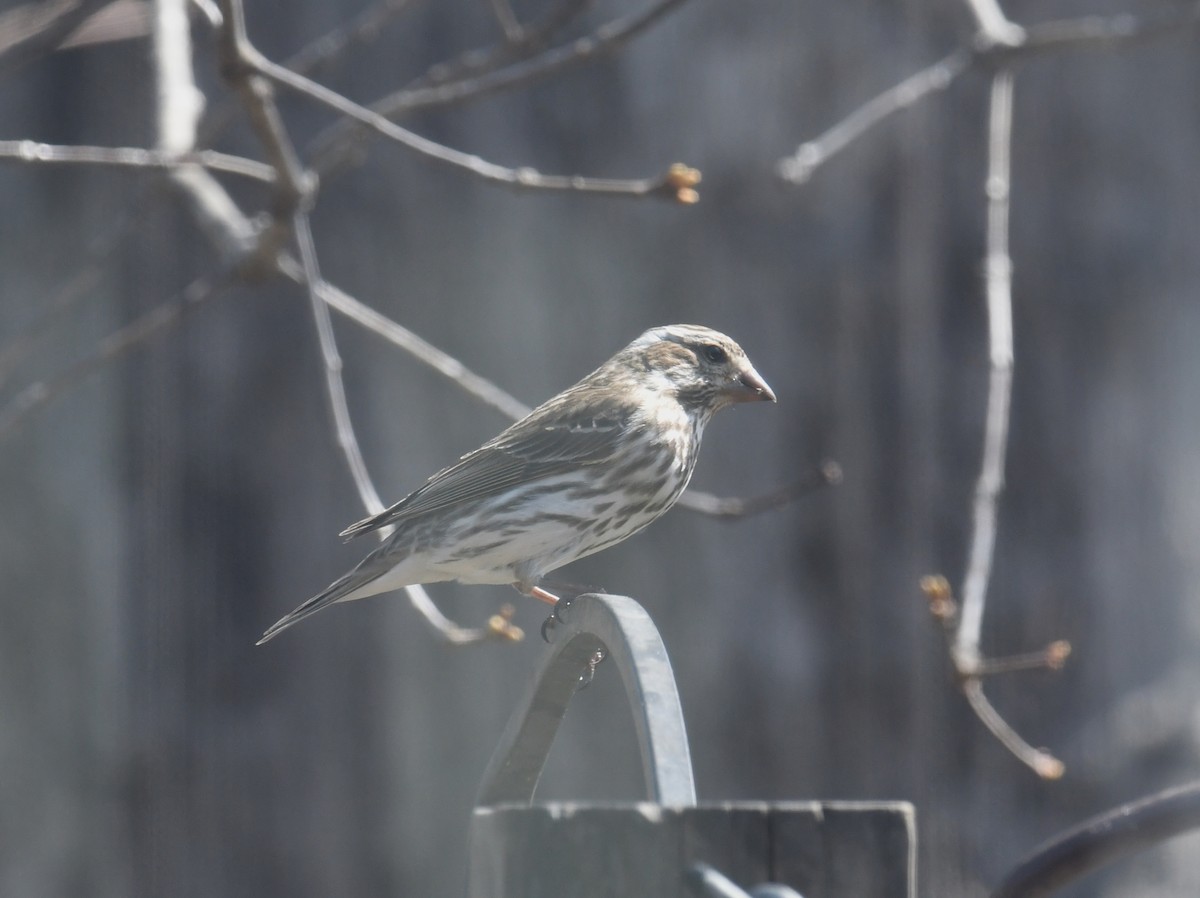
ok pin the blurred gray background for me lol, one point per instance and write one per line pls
(159, 515)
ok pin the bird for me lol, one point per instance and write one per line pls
(583, 471)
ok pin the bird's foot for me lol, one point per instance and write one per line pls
(556, 617)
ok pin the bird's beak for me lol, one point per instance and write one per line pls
(750, 387)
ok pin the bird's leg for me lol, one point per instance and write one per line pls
(542, 596)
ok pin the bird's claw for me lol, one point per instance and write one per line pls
(559, 607)
(556, 617)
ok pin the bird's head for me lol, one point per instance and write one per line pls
(700, 367)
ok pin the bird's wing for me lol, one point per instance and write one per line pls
(542, 445)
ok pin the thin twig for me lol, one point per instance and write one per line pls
(677, 183)
(998, 267)
(965, 648)
(32, 152)
(605, 39)
(1052, 657)
(800, 166)
(1039, 760)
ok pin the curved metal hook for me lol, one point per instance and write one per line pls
(621, 628)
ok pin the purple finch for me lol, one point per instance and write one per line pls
(581, 472)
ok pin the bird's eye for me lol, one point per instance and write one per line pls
(715, 354)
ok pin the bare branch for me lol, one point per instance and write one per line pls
(1000, 351)
(964, 644)
(603, 40)
(678, 182)
(799, 167)
(1052, 657)
(1038, 760)
(34, 153)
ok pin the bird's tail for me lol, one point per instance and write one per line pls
(335, 592)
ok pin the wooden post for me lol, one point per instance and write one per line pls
(578, 850)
